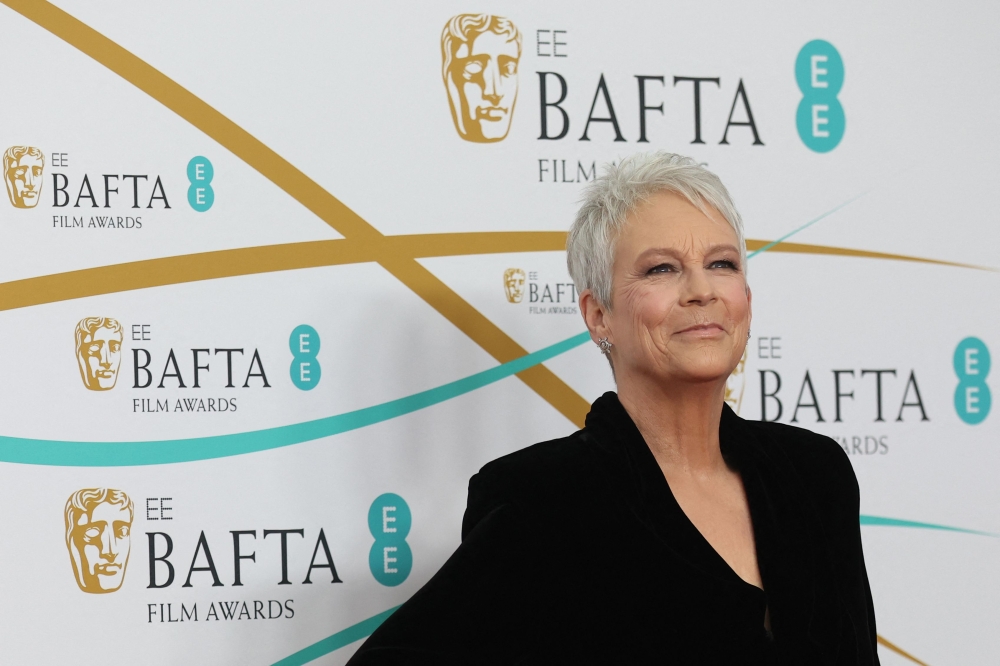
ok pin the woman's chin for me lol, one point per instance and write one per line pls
(697, 374)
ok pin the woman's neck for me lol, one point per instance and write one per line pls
(680, 424)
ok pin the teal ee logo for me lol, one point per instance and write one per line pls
(389, 521)
(201, 196)
(819, 71)
(972, 395)
(305, 370)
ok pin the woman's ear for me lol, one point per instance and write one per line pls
(594, 316)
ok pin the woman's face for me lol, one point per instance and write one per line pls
(680, 301)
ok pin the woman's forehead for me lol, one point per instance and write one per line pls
(668, 220)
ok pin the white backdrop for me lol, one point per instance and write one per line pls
(309, 111)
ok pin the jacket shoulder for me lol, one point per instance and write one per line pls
(800, 441)
(556, 454)
(818, 459)
(540, 475)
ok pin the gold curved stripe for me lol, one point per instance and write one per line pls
(292, 256)
(479, 242)
(178, 270)
(165, 271)
(802, 248)
(304, 190)
(900, 651)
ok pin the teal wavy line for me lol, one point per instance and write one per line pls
(123, 454)
(355, 632)
(879, 521)
(804, 226)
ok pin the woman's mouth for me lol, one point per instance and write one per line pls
(702, 330)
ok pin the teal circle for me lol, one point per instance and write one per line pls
(826, 58)
(973, 402)
(972, 360)
(201, 197)
(820, 136)
(308, 345)
(390, 564)
(395, 507)
(305, 373)
(207, 172)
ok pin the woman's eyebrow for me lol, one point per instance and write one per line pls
(671, 252)
(722, 247)
(659, 251)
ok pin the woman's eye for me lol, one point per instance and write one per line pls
(724, 263)
(660, 268)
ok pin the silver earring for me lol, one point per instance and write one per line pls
(605, 346)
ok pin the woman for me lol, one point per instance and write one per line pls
(668, 530)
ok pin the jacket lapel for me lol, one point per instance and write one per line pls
(793, 554)
(807, 615)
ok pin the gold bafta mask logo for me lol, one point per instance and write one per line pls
(513, 284)
(99, 537)
(99, 352)
(480, 55)
(736, 384)
(22, 171)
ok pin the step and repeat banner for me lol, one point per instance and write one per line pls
(277, 280)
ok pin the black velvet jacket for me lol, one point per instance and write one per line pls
(575, 551)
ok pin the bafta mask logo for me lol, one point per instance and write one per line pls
(736, 384)
(513, 284)
(479, 54)
(99, 537)
(22, 171)
(99, 352)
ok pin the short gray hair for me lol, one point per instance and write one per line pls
(617, 192)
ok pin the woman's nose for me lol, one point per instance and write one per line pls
(697, 288)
